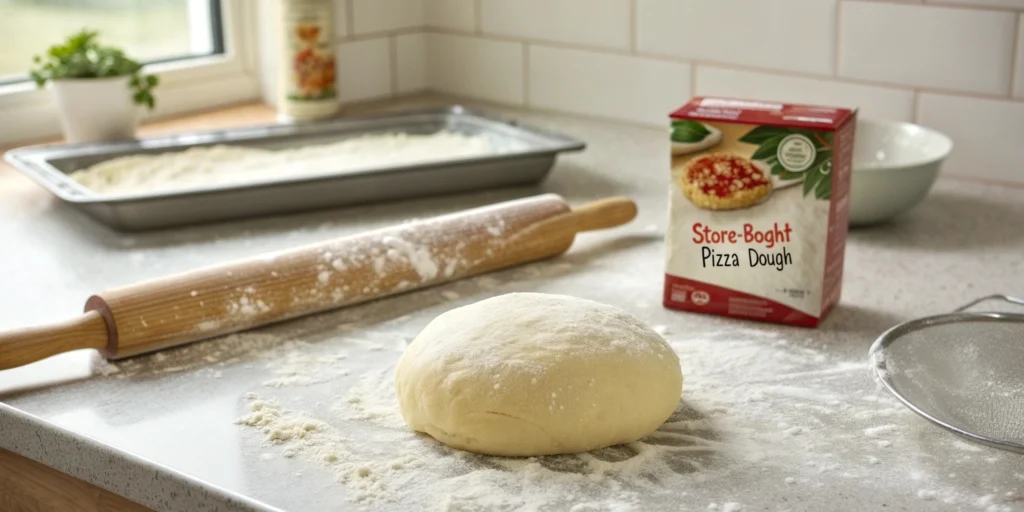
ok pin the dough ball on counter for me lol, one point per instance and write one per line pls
(528, 374)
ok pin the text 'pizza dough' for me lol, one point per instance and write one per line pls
(528, 374)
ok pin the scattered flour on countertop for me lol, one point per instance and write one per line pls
(266, 416)
(730, 506)
(206, 357)
(743, 392)
(218, 165)
(718, 434)
(717, 431)
(879, 430)
(686, 448)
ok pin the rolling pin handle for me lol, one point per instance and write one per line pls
(31, 344)
(604, 213)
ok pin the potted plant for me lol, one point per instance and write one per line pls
(96, 88)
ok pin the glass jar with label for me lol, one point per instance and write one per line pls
(306, 78)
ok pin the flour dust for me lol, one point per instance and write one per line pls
(780, 424)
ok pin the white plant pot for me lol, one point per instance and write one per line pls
(95, 109)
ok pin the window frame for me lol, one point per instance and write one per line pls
(27, 113)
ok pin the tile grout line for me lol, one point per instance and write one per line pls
(634, 30)
(948, 4)
(1015, 64)
(693, 79)
(736, 67)
(393, 50)
(915, 109)
(837, 38)
(943, 5)
(350, 19)
(478, 17)
(383, 34)
(526, 74)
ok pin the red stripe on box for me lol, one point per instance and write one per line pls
(731, 110)
(690, 295)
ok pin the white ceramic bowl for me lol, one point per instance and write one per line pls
(894, 167)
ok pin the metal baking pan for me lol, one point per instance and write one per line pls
(528, 154)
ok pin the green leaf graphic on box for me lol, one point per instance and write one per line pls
(804, 131)
(783, 174)
(768, 149)
(811, 180)
(819, 179)
(814, 175)
(688, 131)
(763, 133)
(822, 140)
(824, 189)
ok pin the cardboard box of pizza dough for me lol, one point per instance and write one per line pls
(758, 209)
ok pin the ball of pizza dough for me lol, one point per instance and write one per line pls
(528, 374)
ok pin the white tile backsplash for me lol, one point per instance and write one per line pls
(478, 68)
(877, 102)
(986, 134)
(411, 65)
(1003, 4)
(933, 61)
(793, 35)
(927, 46)
(627, 88)
(599, 23)
(451, 14)
(371, 16)
(364, 70)
(340, 18)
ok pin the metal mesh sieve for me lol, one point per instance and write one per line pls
(963, 371)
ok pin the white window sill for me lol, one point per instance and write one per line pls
(27, 113)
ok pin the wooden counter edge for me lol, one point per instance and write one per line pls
(29, 486)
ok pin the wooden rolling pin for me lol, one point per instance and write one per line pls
(240, 295)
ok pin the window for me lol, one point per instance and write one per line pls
(148, 30)
(203, 51)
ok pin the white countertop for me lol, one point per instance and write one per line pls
(773, 418)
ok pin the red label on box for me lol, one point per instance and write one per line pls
(763, 113)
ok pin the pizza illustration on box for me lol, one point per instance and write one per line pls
(729, 166)
(723, 181)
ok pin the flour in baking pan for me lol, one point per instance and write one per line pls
(201, 167)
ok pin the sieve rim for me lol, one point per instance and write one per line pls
(878, 360)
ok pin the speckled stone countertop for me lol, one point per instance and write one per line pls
(774, 417)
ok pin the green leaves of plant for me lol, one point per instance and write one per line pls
(688, 131)
(817, 179)
(81, 56)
